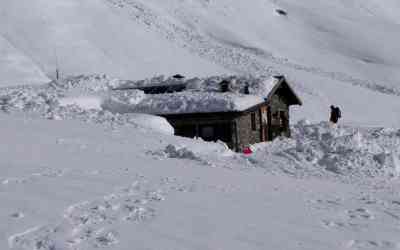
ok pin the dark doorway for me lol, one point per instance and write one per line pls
(215, 132)
(269, 124)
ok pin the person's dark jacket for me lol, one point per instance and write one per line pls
(336, 113)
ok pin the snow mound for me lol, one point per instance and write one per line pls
(205, 153)
(77, 98)
(259, 86)
(154, 123)
(346, 151)
(27, 99)
(172, 151)
(122, 101)
(85, 102)
(87, 83)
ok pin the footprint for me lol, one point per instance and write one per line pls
(17, 215)
(333, 224)
(329, 204)
(360, 213)
(90, 222)
(372, 244)
(12, 180)
(105, 238)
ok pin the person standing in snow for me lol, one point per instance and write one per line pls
(335, 114)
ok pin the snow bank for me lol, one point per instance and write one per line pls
(344, 151)
(78, 98)
(87, 83)
(172, 151)
(155, 123)
(122, 101)
(85, 102)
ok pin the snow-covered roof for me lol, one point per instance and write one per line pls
(201, 95)
(195, 102)
(257, 86)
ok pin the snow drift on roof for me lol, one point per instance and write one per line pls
(200, 95)
(183, 103)
(261, 86)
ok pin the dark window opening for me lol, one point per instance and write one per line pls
(215, 132)
(224, 85)
(207, 133)
(178, 76)
(253, 122)
(186, 131)
(283, 118)
(247, 89)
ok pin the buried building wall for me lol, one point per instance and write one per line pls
(279, 109)
(209, 127)
(248, 128)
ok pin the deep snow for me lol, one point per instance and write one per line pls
(87, 178)
(330, 51)
(78, 174)
(85, 186)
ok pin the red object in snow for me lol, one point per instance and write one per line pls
(247, 151)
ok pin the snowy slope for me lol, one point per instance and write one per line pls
(86, 178)
(85, 186)
(76, 176)
(16, 68)
(326, 37)
(331, 51)
(88, 37)
(351, 38)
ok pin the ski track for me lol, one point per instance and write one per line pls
(236, 57)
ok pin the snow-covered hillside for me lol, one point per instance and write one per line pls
(79, 171)
(332, 51)
(75, 176)
(85, 37)
(73, 185)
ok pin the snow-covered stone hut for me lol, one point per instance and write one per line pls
(239, 111)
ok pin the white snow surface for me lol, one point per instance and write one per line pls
(74, 185)
(259, 86)
(77, 98)
(85, 102)
(201, 95)
(77, 177)
(80, 172)
(330, 51)
(186, 103)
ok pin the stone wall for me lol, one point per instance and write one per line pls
(279, 104)
(246, 135)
